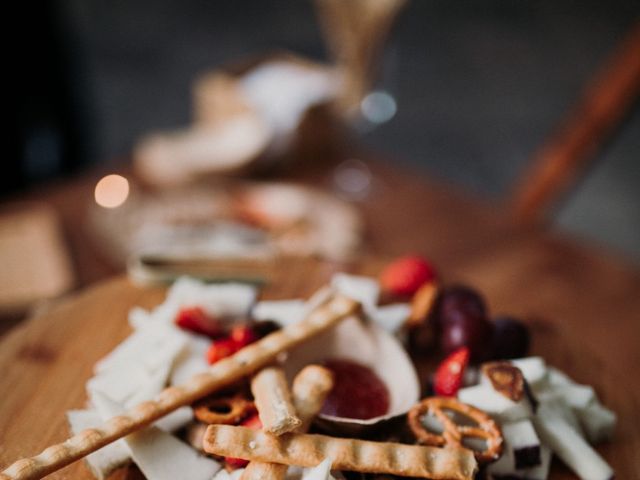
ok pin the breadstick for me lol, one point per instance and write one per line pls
(273, 400)
(310, 389)
(223, 373)
(346, 454)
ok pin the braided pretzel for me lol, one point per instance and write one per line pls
(453, 434)
(223, 410)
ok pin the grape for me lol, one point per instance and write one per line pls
(460, 303)
(510, 338)
(474, 333)
(462, 318)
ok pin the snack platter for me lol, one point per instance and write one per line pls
(349, 340)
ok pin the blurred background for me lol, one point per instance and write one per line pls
(466, 93)
(478, 86)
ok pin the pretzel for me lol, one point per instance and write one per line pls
(346, 454)
(454, 433)
(226, 410)
(273, 399)
(310, 389)
(223, 373)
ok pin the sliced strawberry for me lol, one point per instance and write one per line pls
(404, 276)
(223, 348)
(243, 335)
(449, 374)
(253, 422)
(234, 463)
(196, 320)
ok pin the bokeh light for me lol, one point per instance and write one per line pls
(112, 191)
(378, 107)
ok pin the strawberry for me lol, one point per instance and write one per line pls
(243, 335)
(253, 422)
(220, 349)
(404, 276)
(196, 320)
(448, 377)
(234, 463)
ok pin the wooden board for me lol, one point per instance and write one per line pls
(47, 360)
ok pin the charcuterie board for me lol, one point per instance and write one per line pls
(47, 361)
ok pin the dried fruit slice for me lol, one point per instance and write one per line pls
(506, 379)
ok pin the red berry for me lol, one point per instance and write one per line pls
(404, 276)
(253, 422)
(220, 349)
(236, 462)
(196, 320)
(449, 375)
(243, 335)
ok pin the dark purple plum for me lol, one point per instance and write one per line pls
(511, 338)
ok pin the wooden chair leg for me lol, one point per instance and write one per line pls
(600, 111)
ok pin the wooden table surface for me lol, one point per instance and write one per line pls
(583, 305)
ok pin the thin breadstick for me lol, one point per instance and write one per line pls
(310, 389)
(346, 454)
(223, 373)
(273, 400)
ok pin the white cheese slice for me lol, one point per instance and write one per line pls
(177, 419)
(541, 472)
(534, 370)
(160, 455)
(220, 300)
(224, 475)
(495, 404)
(284, 312)
(320, 472)
(557, 378)
(576, 396)
(504, 466)
(390, 317)
(120, 385)
(365, 290)
(597, 422)
(151, 347)
(568, 415)
(191, 361)
(104, 461)
(568, 444)
(523, 442)
(140, 318)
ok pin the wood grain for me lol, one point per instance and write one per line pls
(47, 360)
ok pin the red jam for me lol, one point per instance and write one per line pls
(357, 392)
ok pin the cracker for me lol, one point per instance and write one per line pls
(346, 454)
